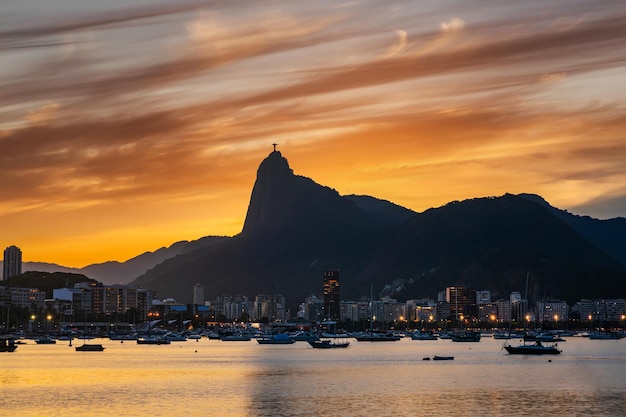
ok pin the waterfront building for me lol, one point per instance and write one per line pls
(98, 298)
(232, 307)
(462, 302)
(313, 309)
(421, 310)
(268, 307)
(393, 310)
(349, 310)
(483, 297)
(12, 263)
(519, 307)
(198, 295)
(503, 310)
(552, 310)
(28, 298)
(601, 310)
(490, 312)
(354, 310)
(331, 295)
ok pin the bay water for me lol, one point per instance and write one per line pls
(216, 378)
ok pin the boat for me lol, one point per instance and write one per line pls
(605, 335)
(443, 358)
(423, 335)
(89, 347)
(236, 338)
(7, 344)
(304, 336)
(152, 341)
(542, 337)
(278, 339)
(123, 337)
(467, 336)
(377, 337)
(175, 337)
(507, 335)
(327, 344)
(536, 348)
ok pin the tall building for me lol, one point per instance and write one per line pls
(198, 295)
(462, 302)
(12, 262)
(332, 308)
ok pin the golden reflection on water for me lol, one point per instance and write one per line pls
(213, 378)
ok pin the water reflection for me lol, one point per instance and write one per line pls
(218, 379)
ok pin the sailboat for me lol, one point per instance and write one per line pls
(375, 337)
(536, 348)
(603, 333)
(88, 347)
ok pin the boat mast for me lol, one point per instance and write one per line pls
(371, 308)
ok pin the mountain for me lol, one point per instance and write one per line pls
(114, 272)
(296, 229)
(609, 235)
(493, 243)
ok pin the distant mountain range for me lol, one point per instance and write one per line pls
(114, 272)
(296, 229)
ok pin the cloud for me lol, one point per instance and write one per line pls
(453, 25)
(175, 106)
(604, 207)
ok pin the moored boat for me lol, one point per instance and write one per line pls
(152, 341)
(536, 348)
(90, 347)
(467, 336)
(278, 339)
(304, 336)
(443, 358)
(7, 344)
(236, 338)
(605, 335)
(377, 337)
(327, 344)
(423, 335)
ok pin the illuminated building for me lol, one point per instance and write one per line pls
(331, 295)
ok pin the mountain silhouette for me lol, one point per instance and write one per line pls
(114, 272)
(296, 229)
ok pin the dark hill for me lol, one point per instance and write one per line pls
(493, 243)
(46, 281)
(295, 229)
(609, 235)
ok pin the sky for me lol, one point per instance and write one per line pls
(126, 126)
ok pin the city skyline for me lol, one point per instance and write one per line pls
(126, 128)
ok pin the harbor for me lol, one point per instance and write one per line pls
(206, 377)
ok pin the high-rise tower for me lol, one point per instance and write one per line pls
(331, 295)
(12, 262)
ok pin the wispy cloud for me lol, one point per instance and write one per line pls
(413, 102)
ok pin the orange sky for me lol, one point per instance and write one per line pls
(128, 126)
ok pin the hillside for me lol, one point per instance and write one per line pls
(295, 229)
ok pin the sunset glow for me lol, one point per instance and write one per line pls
(126, 126)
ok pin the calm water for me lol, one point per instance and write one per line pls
(214, 378)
